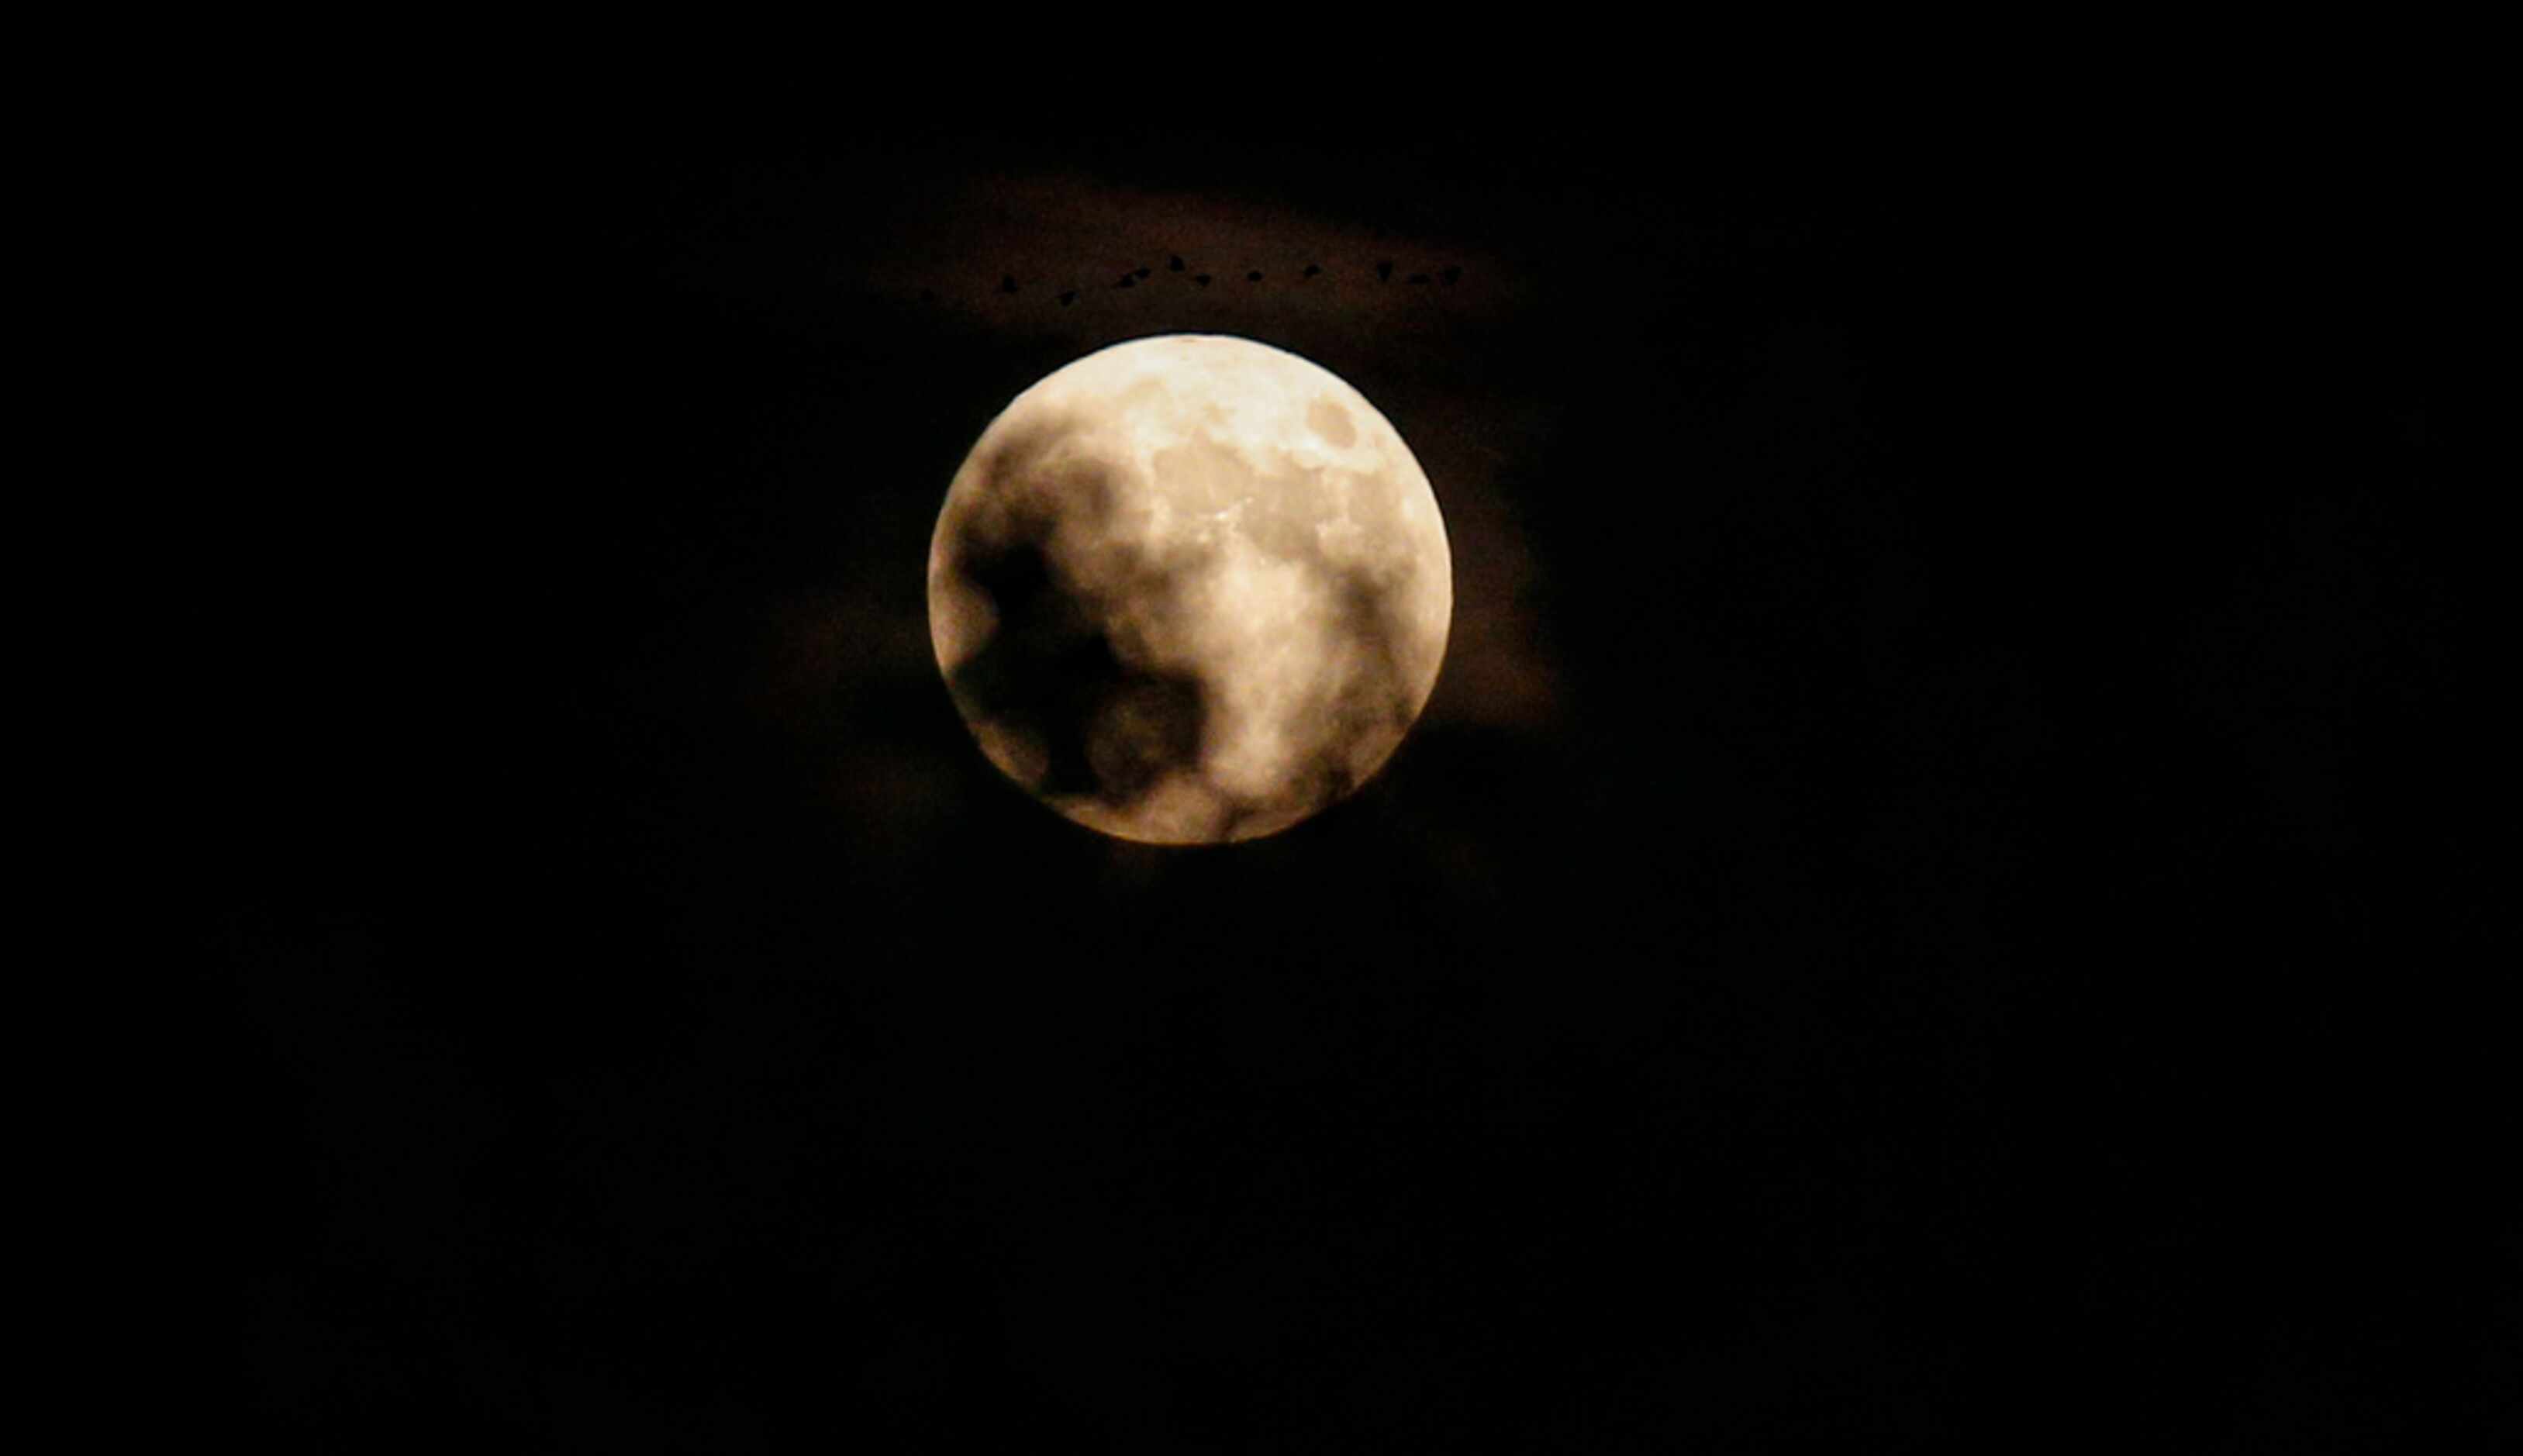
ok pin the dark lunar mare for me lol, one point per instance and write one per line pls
(1113, 730)
(1375, 703)
(1051, 668)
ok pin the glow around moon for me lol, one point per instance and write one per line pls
(1190, 589)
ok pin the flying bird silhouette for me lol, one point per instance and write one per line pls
(1384, 271)
(1200, 278)
(1175, 263)
(1253, 277)
(1312, 269)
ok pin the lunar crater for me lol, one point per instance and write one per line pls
(1331, 422)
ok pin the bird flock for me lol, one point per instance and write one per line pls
(1067, 297)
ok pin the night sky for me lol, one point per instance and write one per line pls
(1920, 909)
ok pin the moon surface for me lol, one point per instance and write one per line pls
(1190, 590)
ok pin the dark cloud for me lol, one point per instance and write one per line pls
(1070, 227)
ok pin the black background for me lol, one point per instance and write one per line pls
(1962, 941)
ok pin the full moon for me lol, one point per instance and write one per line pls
(1190, 590)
